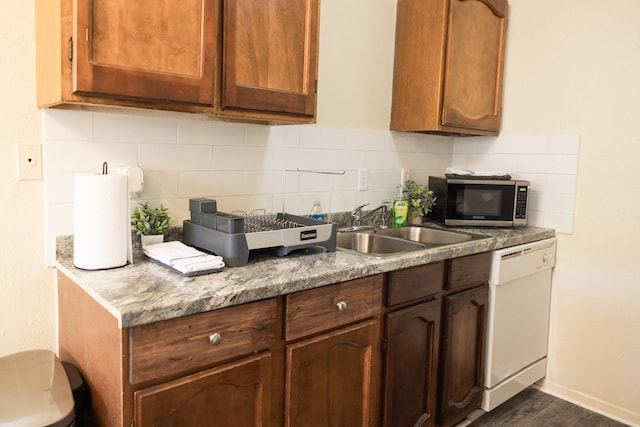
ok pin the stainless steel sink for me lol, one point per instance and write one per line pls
(430, 236)
(374, 244)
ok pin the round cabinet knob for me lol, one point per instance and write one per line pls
(342, 306)
(214, 339)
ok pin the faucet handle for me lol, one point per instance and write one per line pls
(358, 210)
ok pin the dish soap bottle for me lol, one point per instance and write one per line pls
(400, 210)
(316, 211)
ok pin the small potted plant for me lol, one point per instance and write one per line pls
(419, 199)
(150, 223)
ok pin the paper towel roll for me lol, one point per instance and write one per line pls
(100, 221)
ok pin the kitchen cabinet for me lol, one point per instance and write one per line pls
(463, 338)
(236, 394)
(243, 59)
(332, 379)
(270, 57)
(449, 65)
(411, 346)
(174, 372)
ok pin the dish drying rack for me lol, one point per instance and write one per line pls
(234, 236)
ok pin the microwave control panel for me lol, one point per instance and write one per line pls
(522, 196)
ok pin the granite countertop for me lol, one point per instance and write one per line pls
(145, 292)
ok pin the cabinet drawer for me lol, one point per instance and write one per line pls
(326, 308)
(469, 271)
(414, 283)
(179, 345)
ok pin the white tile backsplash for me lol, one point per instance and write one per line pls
(549, 162)
(243, 165)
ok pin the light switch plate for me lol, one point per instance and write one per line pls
(363, 179)
(29, 162)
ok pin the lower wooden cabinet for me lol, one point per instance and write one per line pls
(462, 357)
(307, 359)
(411, 363)
(331, 379)
(237, 394)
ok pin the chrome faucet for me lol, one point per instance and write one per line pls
(357, 216)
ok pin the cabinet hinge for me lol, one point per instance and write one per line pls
(316, 87)
(383, 345)
(70, 48)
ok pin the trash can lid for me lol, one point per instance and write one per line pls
(34, 391)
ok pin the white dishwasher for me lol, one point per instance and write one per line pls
(518, 319)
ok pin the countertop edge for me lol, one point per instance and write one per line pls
(145, 292)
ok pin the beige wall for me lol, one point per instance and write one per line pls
(572, 67)
(27, 291)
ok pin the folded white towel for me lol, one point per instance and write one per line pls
(183, 258)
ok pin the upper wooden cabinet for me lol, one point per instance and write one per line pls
(245, 59)
(146, 50)
(448, 71)
(270, 55)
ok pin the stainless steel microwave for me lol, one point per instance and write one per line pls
(479, 202)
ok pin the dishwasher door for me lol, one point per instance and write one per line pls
(518, 319)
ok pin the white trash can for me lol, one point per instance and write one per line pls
(35, 391)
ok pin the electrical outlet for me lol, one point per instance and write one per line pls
(363, 179)
(405, 175)
(29, 162)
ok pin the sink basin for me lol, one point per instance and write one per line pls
(374, 244)
(429, 236)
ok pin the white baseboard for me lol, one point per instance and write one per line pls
(589, 402)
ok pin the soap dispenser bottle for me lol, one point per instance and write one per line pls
(316, 211)
(400, 210)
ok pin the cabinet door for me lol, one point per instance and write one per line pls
(236, 394)
(474, 64)
(270, 55)
(146, 49)
(332, 380)
(462, 358)
(411, 361)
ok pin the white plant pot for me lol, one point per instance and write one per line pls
(151, 239)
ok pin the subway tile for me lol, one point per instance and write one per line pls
(312, 182)
(211, 184)
(210, 132)
(59, 187)
(475, 145)
(175, 157)
(67, 125)
(384, 160)
(265, 182)
(324, 138)
(343, 159)
(562, 223)
(363, 140)
(63, 156)
(493, 162)
(256, 135)
(110, 127)
(247, 158)
(159, 184)
(564, 144)
(284, 136)
(548, 163)
(521, 145)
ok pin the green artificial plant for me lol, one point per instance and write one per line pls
(150, 221)
(420, 199)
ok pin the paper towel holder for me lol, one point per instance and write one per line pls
(135, 179)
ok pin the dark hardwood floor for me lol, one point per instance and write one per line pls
(533, 408)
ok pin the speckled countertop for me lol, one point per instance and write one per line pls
(145, 292)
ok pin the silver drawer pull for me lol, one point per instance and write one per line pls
(342, 306)
(214, 339)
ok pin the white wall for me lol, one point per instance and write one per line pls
(573, 67)
(571, 70)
